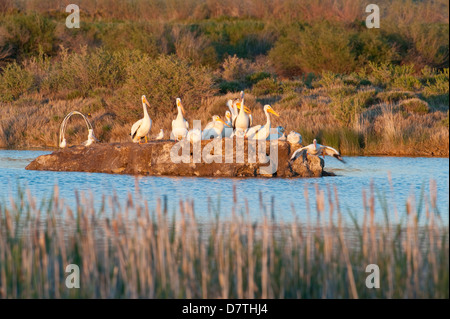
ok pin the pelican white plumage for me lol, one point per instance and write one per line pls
(243, 121)
(294, 138)
(160, 135)
(214, 128)
(180, 126)
(262, 132)
(142, 127)
(317, 150)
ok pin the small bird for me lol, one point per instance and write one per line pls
(160, 136)
(317, 150)
(142, 127)
(294, 138)
(91, 138)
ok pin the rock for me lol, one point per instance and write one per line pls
(308, 166)
(155, 158)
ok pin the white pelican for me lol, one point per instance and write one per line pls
(214, 128)
(294, 138)
(141, 128)
(179, 126)
(229, 122)
(160, 136)
(243, 121)
(262, 132)
(194, 135)
(317, 150)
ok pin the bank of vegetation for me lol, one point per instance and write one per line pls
(363, 91)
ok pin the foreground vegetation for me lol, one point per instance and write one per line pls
(363, 91)
(132, 251)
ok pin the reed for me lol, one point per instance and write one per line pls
(129, 250)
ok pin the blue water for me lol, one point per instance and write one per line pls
(410, 176)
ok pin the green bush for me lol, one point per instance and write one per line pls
(395, 96)
(166, 78)
(256, 77)
(322, 46)
(372, 45)
(28, 34)
(15, 81)
(131, 36)
(230, 86)
(245, 38)
(346, 108)
(430, 42)
(85, 71)
(394, 76)
(437, 83)
(415, 105)
(328, 80)
(266, 86)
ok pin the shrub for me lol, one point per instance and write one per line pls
(437, 83)
(415, 105)
(431, 43)
(196, 48)
(28, 34)
(166, 78)
(15, 81)
(86, 71)
(395, 96)
(328, 80)
(266, 86)
(373, 45)
(323, 46)
(256, 77)
(394, 76)
(131, 36)
(347, 108)
(230, 86)
(235, 69)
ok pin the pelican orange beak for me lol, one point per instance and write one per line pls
(145, 101)
(221, 121)
(246, 109)
(271, 110)
(181, 107)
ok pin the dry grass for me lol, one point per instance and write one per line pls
(133, 251)
(309, 10)
(382, 129)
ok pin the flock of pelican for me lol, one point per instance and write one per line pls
(238, 122)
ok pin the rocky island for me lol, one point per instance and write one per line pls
(161, 158)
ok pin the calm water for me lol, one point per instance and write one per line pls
(410, 176)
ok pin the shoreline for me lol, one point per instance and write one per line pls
(381, 154)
